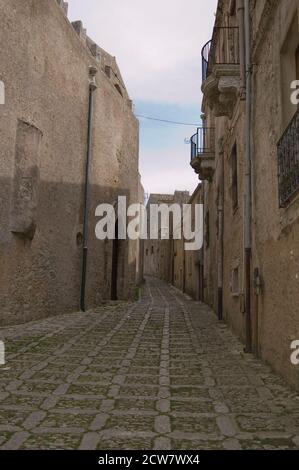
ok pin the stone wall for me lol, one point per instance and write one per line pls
(276, 230)
(44, 63)
(188, 265)
(158, 254)
(194, 259)
(275, 256)
(168, 259)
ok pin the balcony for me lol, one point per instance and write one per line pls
(288, 163)
(203, 152)
(221, 70)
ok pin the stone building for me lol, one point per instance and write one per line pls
(167, 259)
(158, 253)
(69, 141)
(188, 265)
(140, 244)
(246, 153)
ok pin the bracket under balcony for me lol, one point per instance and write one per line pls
(221, 71)
(203, 153)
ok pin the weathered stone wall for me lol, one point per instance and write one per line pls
(233, 298)
(168, 259)
(140, 243)
(44, 64)
(193, 282)
(157, 260)
(229, 131)
(275, 230)
(158, 254)
(179, 264)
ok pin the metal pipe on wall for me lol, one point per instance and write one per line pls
(247, 182)
(220, 209)
(240, 15)
(87, 189)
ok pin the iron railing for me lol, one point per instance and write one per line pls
(203, 142)
(288, 162)
(222, 49)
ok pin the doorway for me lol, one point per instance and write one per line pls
(115, 258)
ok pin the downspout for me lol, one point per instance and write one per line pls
(247, 183)
(204, 263)
(220, 231)
(87, 189)
(184, 266)
(240, 15)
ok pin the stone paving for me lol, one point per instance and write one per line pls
(161, 373)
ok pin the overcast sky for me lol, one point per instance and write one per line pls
(157, 44)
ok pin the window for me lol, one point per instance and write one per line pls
(152, 250)
(289, 64)
(288, 163)
(207, 229)
(234, 177)
(108, 71)
(287, 148)
(146, 252)
(235, 282)
(232, 10)
(118, 89)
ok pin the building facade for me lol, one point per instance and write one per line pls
(69, 141)
(246, 153)
(188, 264)
(167, 259)
(140, 243)
(158, 253)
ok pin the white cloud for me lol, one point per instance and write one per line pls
(165, 171)
(157, 43)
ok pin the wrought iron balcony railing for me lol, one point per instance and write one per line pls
(203, 142)
(222, 49)
(288, 162)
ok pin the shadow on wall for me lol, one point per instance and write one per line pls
(40, 271)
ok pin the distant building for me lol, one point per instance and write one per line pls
(188, 265)
(158, 259)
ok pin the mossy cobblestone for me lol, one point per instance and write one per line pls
(157, 373)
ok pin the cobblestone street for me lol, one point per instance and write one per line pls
(161, 373)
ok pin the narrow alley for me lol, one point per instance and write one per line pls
(161, 373)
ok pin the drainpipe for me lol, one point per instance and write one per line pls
(240, 15)
(220, 230)
(247, 187)
(184, 266)
(87, 189)
(204, 261)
